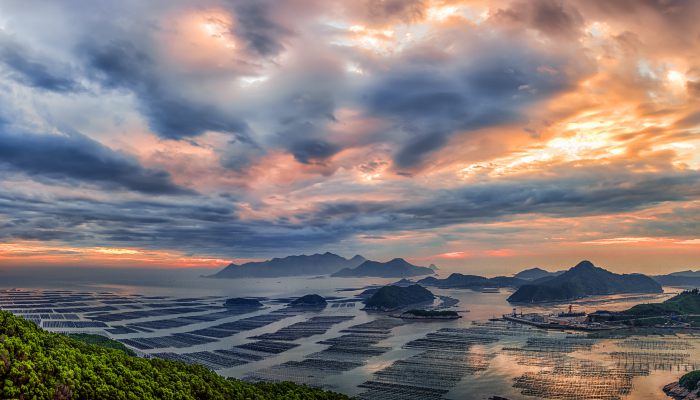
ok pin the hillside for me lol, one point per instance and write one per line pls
(35, 364)
(393, 297)
(584, 279)
(535, 273)
(686, 279)
(396, 268)
(684, 303)
(460, 281)
(303, 265)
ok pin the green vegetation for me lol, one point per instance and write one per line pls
(392, 297)
(687, 302)
(102, 341)
(35, 364)
(682, 308)
(432, 313)
(690, 380)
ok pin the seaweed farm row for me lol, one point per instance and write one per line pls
(350, 350)
(217, 359)
(565, 372)
(170, 323)
(203, 336)
(446, 357)
(264, 347)
(63, 310)
(310, 327)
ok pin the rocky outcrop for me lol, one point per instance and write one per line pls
(678, 392)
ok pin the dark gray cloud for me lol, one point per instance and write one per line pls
(310, 151)
(598, 192)
(30, 69)
(78, 159)
(212, 229)
(258, 28)
(172, 114)
(574, 196)
(554, 18)
(212, 226)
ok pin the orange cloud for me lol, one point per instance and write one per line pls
(30, 253)
(453, 255)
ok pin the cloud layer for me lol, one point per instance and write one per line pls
(250, 129)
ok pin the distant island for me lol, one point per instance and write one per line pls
(535, 273)
(680, 279)
(585, 279)
(430, 314)
(310, 300)
(461, 281)
(242, 302)
(302, 265)
(389, 298)
(396, 268)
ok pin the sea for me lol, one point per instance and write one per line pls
(375, 355)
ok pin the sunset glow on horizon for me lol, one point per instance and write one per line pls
(482, 136)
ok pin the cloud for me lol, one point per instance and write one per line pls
(257, 27)
(188, 226)
(553, 18)
(309, 151)
(172, 115)
(382, 12)
(30, 69)
(452, 126)
(433, 100)
(78, 159)
(579, 195)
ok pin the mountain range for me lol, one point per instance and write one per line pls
(461, 281)
(682, 278)
(302, 265)
(585, 279)
(537, 284)
(396, 268)
(535, 273)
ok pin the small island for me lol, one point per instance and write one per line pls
(310, 300)
(430, 315)
(242, 302)
(391, 297)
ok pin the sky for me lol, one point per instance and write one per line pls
(478, 135)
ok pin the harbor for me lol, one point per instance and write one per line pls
(578, 321)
